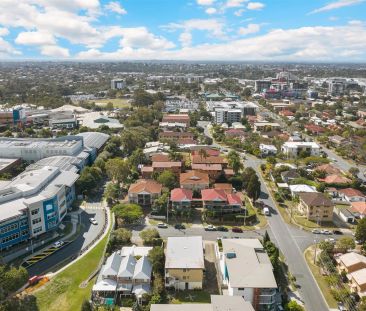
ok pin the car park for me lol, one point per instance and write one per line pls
(93, 221)
(162, 225)
(237, 230)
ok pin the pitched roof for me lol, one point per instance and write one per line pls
(350, 192)
(112, 265)
(359, 207)
(290, 174)
(143, 269)
(179, 194)
(194, 177)
(184, 252)
(359, 276)
(127, 267)
(197, 159)
(209, 151)
(224, 186)
(145, 185)
(350, 259)
(233, 199)
(166, 164)
(160, 157)
(207, 167)
(213, 195)
(335, 179)
(315, 199)
(328, 168)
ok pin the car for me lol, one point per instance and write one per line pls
(162, 225)
(327, 232)
(338, 232)
(210, 228)
(266, 211)
(331, 240)
(93, 221)
(315, 231)
(58, 244)
(237, 230)
(222, 228)
(179, 226)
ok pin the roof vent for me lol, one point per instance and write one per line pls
(231, 255)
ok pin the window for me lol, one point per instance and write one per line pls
(9, 228)
(23, 222)
(241, 288)
(10, 237)
(36, 221)
(51, 215)
(25, 232)
(36, 230)
(35, 211)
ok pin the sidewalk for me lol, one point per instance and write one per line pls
(39, 244)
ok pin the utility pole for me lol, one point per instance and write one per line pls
(167, 211)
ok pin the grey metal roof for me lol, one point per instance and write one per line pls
(94, 139)
(127, 267)
(143, 269)
(112, 265)
(182, 307)
(230, 303)
(250, 267)
(184, 252)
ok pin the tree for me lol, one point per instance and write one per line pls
(266, 238)
(157, 259)
(247, 174)
(142, 99)
(12, 278)
(86, 306)
(254, 188)
(168, 179)
(112, 192)
(148, 236)
(89, 179)
(235, 161)
(160, 204)
(354, 171)
(293, 306)
(117, 169)
(326, 246)
(360, 234)
(346, 243)
(128, 213)
(203, 154)
(175, 156)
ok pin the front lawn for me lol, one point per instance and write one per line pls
(190, 296)
(63, 291)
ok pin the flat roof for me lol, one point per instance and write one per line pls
(5, 162)
(36, 143)
(184, 252)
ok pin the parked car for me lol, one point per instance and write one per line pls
(315, 231)
(266, 211)
(93, 221)
(210, 228)
(162, 225)
(339, 232)
(237, 230)
(58, 244)
(330, 240)
(222, 228)
(179, 226)
(327, 232)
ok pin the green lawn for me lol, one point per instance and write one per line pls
(117, 102)
(190, 296)
(63, 291)
(323, 285)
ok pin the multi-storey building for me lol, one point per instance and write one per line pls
(118, 84)
(293, 149)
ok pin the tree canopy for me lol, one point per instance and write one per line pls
(128, 213)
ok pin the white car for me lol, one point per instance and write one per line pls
(210, 228)
(162, 225)
(58, 244)
(315, 231)
(93, 221)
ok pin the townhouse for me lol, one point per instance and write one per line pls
(194, 180)
(144, 192)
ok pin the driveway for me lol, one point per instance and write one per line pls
(210, 282)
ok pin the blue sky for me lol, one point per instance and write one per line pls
(269, 30)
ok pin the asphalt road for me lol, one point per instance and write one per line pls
(65, 254)
(288, 240)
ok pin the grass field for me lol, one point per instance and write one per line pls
(323, 285)
(63, 291)
(117, 102)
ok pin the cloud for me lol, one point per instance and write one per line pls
(336, 5)
(211, 11)
(235, 3)
(239, 12)
(299, 44)
(35, 38)
(115, 7)
(251, 28)
(213, 26)
(255, 6)
(4, 32)
(55, 51)
(185, 39)
(205, 2)
(6, 49)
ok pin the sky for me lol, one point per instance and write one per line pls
(222, 30)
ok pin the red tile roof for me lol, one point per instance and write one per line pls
(207, 167)
(160, 158)
(223, 186)
(350, 192)
(166, 164)
(328, 169)
(233, 199)
(197, 159)
(180, 194)
(213, 195)
(335, 179)
(359, 207)
(194, 177)
(314, 128)
(210, 152)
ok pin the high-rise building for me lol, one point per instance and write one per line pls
(118, 84)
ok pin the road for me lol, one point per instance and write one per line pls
(88, 233)
(289, 240)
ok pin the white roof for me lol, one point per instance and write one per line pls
(184, 252)
(135, 250)
(359, 276)
(143, 269)
(141, 289)
(296, 144)
(302, 188)
(105, 285)
(96, 119)
(127, 267)
(112, 265)
(350, 259)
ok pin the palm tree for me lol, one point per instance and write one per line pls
(203, 154)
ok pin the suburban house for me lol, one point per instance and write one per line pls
(297, 189)
(175, 167)
(209, 152)
(194, 180)
(289, 175)
(316, 206)
(125, 273)
(336, 140)
(197, 159)
(335, 179)
(247, 271)
(175, 135)
(358, 282)
(328, 169)
(184, 263)
(267, 150)
(144, 192)
(293, 149)
(352, 195)
(219, 201)
(218, 303)
(359, 209)
(181, 199)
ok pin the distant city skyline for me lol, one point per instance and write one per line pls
(213, 30)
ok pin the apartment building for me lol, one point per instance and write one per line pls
(144, 192)
(293, 149)
(194, 180)
(118, 84)
(181, 199)
(247, 271)
(220, 202)
(316, 206)
(184, 263)
(228, 116)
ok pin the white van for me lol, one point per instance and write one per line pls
(266, 211)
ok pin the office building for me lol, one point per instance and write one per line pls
(118, 84)
(261, 85)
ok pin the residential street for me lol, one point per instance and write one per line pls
(291, 243)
